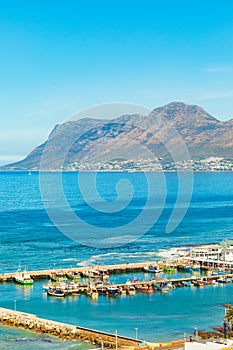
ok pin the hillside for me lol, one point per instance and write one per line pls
(134, 137)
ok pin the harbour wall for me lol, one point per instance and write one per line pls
(113, 269)
(65, 331)
(45, 274)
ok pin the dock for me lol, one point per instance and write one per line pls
(114, 269)
(99, 338)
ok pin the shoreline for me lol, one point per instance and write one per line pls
(25, 171)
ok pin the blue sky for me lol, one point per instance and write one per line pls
(58, 57)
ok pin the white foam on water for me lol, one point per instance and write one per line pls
(173, 253)
(116, 257)
(70, 259)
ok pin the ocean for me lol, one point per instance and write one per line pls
(29, 237)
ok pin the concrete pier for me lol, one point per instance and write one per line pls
(45, 274)
(65, 331)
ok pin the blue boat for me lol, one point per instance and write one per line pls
(112, 290)
(187, 283)
(196, 267)
(188, 268)
(152, 269)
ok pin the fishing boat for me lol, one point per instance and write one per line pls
(206, 281)
(73, 276)
(102, 290)
(214, 282)
(48, 286)
(61, 286)
(71, 285)
(122, 291)
(211, 273)
(165, 288)
(112, 290)
(55, 293)
(58, 277)
(220, 271)
(144, 288)
(23, 277)
(156, 285)
(92, 293)
(187, 283)
(169, 269)
(188, 268)
(196, 267)
(152, 269)
(131, 290)
(198, 283)
(224, 280)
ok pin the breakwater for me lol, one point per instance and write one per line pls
(65, 331)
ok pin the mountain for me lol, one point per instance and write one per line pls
(164, 133)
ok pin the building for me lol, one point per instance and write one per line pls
(209, 345)
(216, 254)
(207, 252)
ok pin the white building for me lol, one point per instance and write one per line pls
(207, 252)
(208, 345)
(228, 253)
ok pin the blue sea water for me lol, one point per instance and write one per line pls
(29, 237)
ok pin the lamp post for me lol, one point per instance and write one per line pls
(116, 340)
(195, 332)
(136, 333)
(225, 328)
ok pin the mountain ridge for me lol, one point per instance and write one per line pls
(164, 128)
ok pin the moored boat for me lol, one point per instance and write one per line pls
(198, 283)
(224, 280)
(92, 292)
(196, 267)
(48, 286)
(187, 283)
(152, 269)
(23, 277)
(112, 290)
(131, 290)
(169, 269)
(73, 276)
(188, 268)
(55, 293)
(144, 288)
(58, 277)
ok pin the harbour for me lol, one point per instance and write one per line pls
(159, 316)
(160, 281)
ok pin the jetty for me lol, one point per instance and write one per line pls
(114, 269)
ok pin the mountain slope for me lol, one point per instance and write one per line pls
(159, 134)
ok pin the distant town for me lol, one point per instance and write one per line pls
(215, 164)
